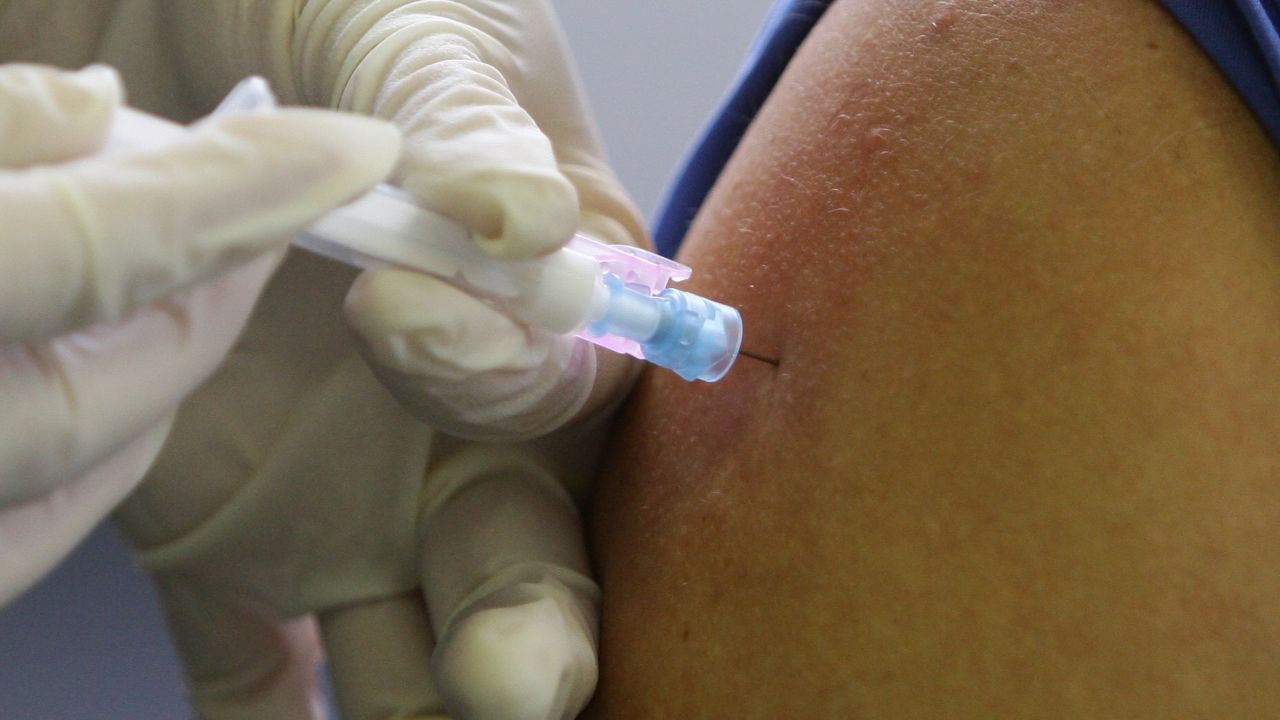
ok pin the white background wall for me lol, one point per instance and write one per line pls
(88, 643)
(654, 70)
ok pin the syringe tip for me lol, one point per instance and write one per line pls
(699, 339)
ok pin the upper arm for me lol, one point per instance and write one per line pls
(1019, 260)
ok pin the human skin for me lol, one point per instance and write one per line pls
(1020, 263)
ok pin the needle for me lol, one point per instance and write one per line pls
(761, 358)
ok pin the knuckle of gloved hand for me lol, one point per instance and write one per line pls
(456, 348)
(516, 406)
(421, 326)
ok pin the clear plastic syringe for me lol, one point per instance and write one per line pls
(612, 295)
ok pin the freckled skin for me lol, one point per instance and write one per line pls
(1019, 263)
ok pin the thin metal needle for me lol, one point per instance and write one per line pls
(761, 358)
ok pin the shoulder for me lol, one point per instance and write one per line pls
(1018, 259)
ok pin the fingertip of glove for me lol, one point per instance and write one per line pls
(378, 298)
(513, 214)
(87, 96)
(524, 662)
(539, 214)
(48, 115)
(92, 93)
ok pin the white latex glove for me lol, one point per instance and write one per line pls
(497, 135)
(124, 279)
(295, 485)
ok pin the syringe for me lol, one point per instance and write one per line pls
(612, 295)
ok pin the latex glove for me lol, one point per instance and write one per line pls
(497, 135)
(295, 486)
(124, 279)
(449, 578)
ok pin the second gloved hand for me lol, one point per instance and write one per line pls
(124, 279)
(497, 135)
(446, 571)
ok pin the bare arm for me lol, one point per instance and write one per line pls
(1020, 260)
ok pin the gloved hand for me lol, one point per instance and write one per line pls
(497, 135)
(124, 279)
(295, 485)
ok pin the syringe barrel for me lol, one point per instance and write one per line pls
(387, 227)
(613, 296)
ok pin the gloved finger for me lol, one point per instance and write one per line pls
(37, 534)
(607, 213)
(525, 651)
(49, 115)
(241, 663)
(443, 71)
(551, 92)
(504, 569)
(540, 75)
(462, 366)
(379, 659)
(91, 240)
(76, 398)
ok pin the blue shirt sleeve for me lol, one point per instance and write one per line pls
(787, 25)
(1243, 38)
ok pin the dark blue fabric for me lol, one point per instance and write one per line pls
(1243, 38)
(788, 23)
